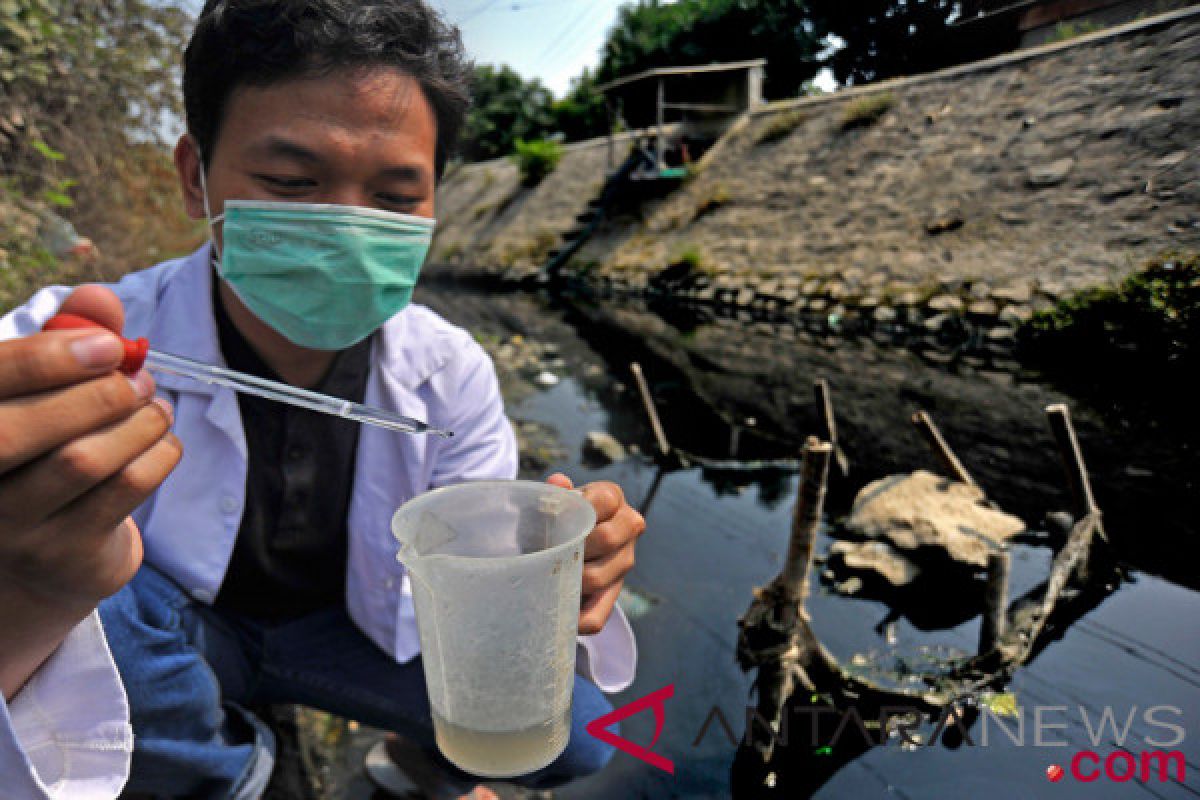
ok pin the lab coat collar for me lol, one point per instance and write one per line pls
(184, 326)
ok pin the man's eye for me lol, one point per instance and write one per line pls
(399, 200)
(284, 183)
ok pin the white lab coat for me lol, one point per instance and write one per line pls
(421, 366)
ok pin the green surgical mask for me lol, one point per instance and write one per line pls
(323, 276)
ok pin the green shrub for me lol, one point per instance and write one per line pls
(24, 260)
(866, 111)
(536, 159)
(84, 89)
(1157, 307)
(694, 259)
(1135, 342)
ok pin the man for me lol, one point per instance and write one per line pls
(316, 131)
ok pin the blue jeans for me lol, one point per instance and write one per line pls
(191, 671)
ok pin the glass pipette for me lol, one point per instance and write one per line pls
(281, 392)
(138, 354)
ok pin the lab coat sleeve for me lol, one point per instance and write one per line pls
(66, 735)
(29, 318)
(608, 658)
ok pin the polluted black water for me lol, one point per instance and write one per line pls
(1084, 718)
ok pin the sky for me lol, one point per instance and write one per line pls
(551, 40)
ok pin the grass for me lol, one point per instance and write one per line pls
(695, 259)
(1069, 30)
(1136, 343)
(865, 111)
(779, 126)
(689, 263)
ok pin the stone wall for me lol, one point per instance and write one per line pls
(491, 224)
(984, 190)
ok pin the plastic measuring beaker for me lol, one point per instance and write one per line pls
(496, 571)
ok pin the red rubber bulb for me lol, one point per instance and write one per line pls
(135, 349)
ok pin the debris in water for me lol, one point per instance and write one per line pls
(635, 604)
(1002, 704)
(851, 586)
(876, 557)
(921, 511)
(602, 448)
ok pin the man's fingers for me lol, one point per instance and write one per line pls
(606, 497)
(90, 543)
(607, 570)
(560, 480)
(597, 608)
(110, 502)
(34, 424)
(39, 489)
(58, 358)
(607, 537)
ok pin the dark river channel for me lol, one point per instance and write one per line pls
(741, 389)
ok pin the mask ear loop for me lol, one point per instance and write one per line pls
(212, 221)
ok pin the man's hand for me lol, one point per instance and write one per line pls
(608, 552)
(81, 446)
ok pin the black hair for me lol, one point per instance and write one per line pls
(262, 42)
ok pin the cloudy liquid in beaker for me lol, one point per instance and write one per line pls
(503, 754)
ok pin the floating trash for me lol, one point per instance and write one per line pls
(634, 604)
(1002, 704)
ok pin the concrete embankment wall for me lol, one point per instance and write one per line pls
(993, 186)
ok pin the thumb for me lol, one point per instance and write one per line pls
(133, 545)
(97, 303)
(560, 480)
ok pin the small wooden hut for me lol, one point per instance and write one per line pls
(703, 99)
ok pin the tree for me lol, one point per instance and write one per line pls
(504, 108)
(85, 88)
(880, 38)
(652, 34)
(91, 67)
(581, 114)
(888, 38)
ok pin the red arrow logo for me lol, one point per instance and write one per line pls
(599, 728)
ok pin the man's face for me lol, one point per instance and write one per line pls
(356, 138)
